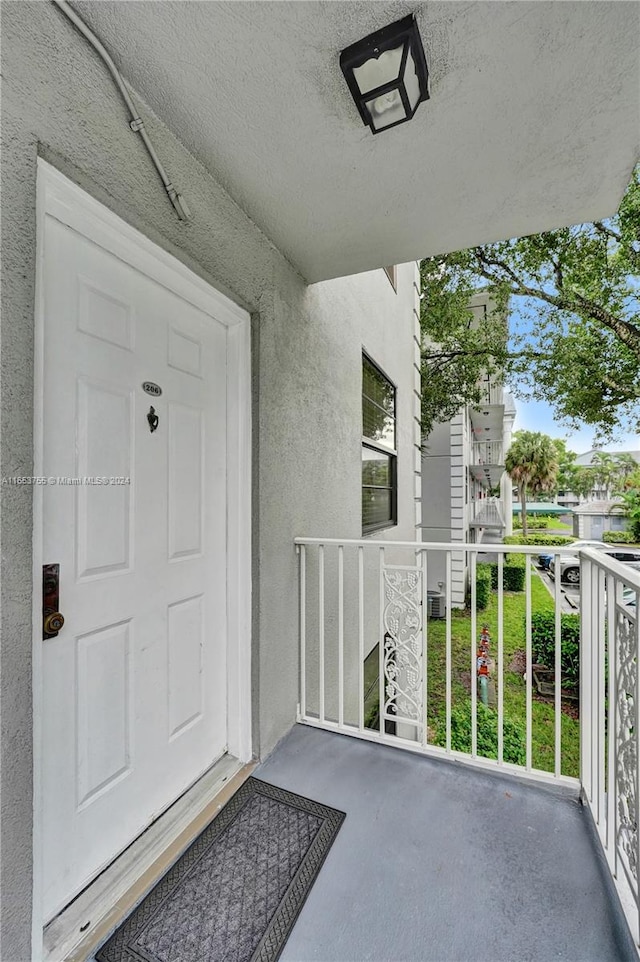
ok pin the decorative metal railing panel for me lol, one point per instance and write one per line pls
(610, 716)
(402, 657)
(626, 773)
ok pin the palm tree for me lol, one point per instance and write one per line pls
(532, 463)
(626, 465)
(604, 469)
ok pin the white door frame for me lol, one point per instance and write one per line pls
(61, 199)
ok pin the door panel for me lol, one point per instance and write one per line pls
(104, 439)
(185, 646)
(134, 699)
(103, 691)
(186, 437)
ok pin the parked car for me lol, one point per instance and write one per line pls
(544, 560)
(569, 565)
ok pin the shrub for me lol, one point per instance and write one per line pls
(513, 572)
(543, 640)
(619, 537)
(483, 584)
(538, 522)
(540, 539)
(514, 749)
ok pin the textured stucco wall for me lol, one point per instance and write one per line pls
(436, 483)
(58, 101)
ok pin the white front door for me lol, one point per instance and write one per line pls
(134, 686)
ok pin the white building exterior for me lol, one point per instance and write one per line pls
(569, 499)
(462, 463)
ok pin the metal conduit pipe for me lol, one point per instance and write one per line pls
(136, 123)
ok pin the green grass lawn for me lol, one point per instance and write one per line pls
(543, 714)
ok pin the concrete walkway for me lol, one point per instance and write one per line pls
(438, 862)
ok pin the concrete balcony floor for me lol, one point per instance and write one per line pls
(440, 862)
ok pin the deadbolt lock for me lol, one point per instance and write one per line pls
(53, 622)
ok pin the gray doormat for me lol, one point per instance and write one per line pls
(236, 892)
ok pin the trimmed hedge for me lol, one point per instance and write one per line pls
(537, 522)
(514, 748)
(618, 537)
(553, 540)
(513, 575)
(543, 640)
(483, 584)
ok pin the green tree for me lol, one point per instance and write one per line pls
(459, 349)
(626, 464)
(582, 481)
(532, 465)
(579, 345)
(630, 493)
(608, 472)
(566, 465)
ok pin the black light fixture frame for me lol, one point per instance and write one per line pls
(403, 32)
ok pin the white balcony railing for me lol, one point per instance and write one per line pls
(486, 512)
(487, 452)
(385, 657)
(491, 393)
(610, 716)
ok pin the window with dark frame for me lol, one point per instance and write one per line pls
(379, 455)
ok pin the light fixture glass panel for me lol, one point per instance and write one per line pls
(379, 70)
(386, 110)
(411, 81)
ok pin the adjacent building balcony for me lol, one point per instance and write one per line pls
(487, 418)
(491, 790)
(492, 392)
(487, 462)
(487, 513)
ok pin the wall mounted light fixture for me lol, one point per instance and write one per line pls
(387, 74)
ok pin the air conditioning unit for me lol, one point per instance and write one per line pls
(436, 605)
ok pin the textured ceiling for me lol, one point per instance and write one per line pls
(533, 122)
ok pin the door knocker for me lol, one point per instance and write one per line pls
(153, 419)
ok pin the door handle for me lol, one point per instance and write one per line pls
(52, 620)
